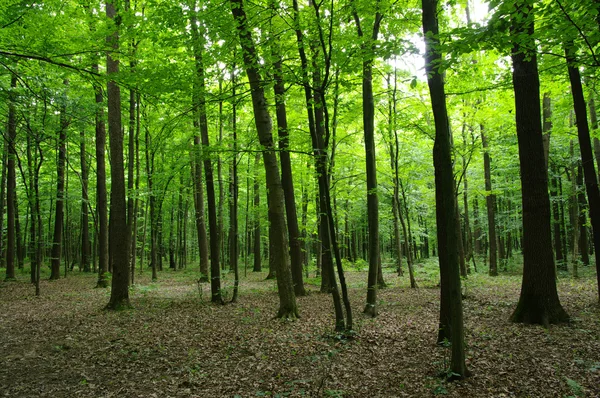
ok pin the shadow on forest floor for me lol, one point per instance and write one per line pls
(174, 343)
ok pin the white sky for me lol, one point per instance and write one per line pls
(415, 64)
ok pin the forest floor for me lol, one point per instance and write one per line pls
(175, 343)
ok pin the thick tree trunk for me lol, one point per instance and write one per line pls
(451, 315)
(277, 231)
(119, 237)
(539, 301)
(587, 156)
(490, 200)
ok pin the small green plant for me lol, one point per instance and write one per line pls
(575, 387)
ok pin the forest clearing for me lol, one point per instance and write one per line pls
(175, 343)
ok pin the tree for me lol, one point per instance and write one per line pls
(60, 192)
(451, 316)
(368, 48)
(490, 201)
(200, 104)
(119, 238)
(587, 156)
(277, 233)
(11, 185)
(538, 302)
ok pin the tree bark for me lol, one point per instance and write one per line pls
(12, 182)
(276, 208)
(490, 200)
(119, 238)
(286, 175)
(538, 302)
(587, 156)
(200, 105)
(371, 166)
(60, 195)
(102, 199)
(256, 222)
(451, 315)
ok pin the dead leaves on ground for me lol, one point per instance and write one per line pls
(176, 344)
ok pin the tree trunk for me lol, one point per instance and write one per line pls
(538, 302)
(490, 200)
(200, 107)
(60, 195)
(12, 181)
(234, 189)
(85, 228)
(277, 232)
(371, 166)
(575, 221)
(286, 174)
(451, 314)
(587, 156)
(256, 222)
(119, 234)
(102, 199)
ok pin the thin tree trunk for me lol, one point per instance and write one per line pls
(256, 222)
(11, 194)
(490, 200)
(57, 239)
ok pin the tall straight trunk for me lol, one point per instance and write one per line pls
(85, 228)
(134, 228)
(221, 201)
(575, 220)
(131, 194)
(12, 182)
(587, 156)
(476, 227)
(5, 151)
(552, 178)
(371, 166)
(234, 191)
(286, 176)
(119, 233)
(102, 197)
(200, 108)
(279, 256)
(490, 200)
(57, 239)
(451, 315)
(256, 222)
(315, 111)
(468, 234)
(154, 249)
(538, 302)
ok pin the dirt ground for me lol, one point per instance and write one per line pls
(175, 343)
